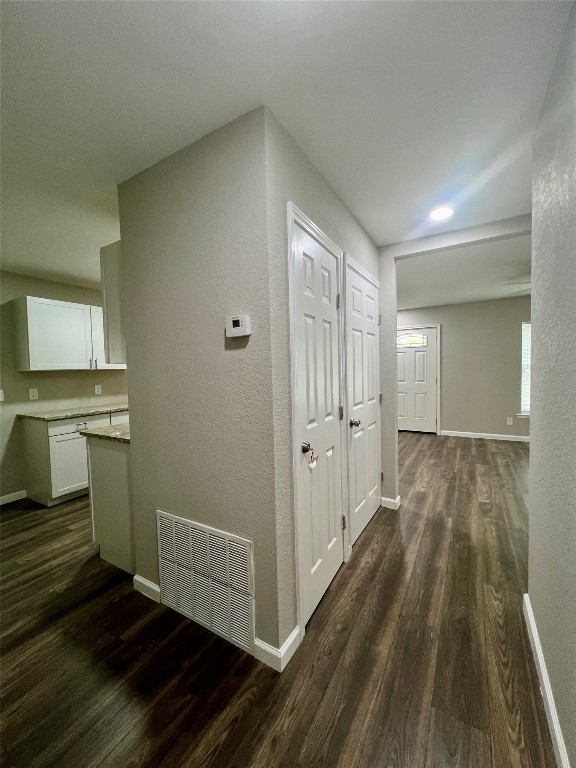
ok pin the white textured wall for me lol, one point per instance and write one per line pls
(290, 176)
(481, 363)
(552, 563)
(194, 250)
(204, 235)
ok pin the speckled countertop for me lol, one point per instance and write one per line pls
(74, 413)
(118, 432)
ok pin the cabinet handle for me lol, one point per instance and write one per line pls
(96, 362)
(90, 363)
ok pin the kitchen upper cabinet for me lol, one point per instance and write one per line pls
(98, 344)
(110, 263)
(59, 335)
(53, 335)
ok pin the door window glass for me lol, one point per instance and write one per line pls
(412, 339)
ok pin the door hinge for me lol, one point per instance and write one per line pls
(341, 412)
(337, 301)
(379, 319)
(343, 522)
(381, 477)
(380, 398)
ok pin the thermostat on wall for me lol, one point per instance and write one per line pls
(238, 325)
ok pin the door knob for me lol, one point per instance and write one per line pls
(354, 422)
(305, 447)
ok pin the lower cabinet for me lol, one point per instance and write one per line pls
(68, 464)
(57, 457)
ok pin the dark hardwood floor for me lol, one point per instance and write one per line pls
(417, 657)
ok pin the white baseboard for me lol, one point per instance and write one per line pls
(278, 658)
(148, 588)
(485, 436)
(12, 497)
(547, 694)
(391, 503)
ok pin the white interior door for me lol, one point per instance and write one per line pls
(363, 397)
(417, 379)
(318, 471)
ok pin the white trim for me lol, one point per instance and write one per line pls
(146, 587)
(16, 496)
(391, 503)
(545, 686)
(278, 658)
(296, 217)
(362, 271)
(438, 327)
(523, 415)
(483, 436)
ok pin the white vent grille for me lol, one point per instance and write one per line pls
(206, 574)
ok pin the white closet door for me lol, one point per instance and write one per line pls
(417, 402)
(318, 480)
(363, 397)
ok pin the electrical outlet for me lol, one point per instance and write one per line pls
(509, 421)
(33, 394)
(98, 389)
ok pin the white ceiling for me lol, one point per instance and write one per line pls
(401, 106)
(490, 270)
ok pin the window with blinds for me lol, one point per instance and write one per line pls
(526, 351)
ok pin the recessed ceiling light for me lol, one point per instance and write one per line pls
(441, 213)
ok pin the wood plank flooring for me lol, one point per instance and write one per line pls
(417, 657)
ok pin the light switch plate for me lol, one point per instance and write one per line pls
(97, 389)
(509, 421)
(33, 394)
(1, 395)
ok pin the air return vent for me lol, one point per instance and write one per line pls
(206, 575)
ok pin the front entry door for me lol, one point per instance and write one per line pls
(417, 403)
(363, 393)
(318, 459)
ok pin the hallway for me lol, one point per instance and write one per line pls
(417, 657)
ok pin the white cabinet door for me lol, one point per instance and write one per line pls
(98, 348)
(59, 335)
(110, 262)
(68, 457)
(363, 393)
(68, 463)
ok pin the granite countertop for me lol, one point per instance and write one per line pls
(118, 432)
(74, 413)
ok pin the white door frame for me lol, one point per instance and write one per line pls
(297, 218)
(438, 327)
